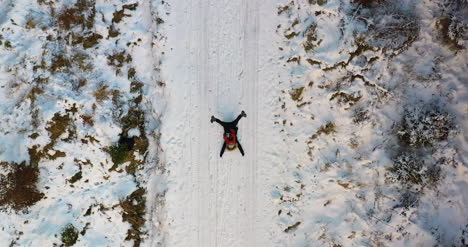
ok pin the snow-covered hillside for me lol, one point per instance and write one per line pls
(373, 110)
(354, 135)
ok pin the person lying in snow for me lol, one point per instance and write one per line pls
(230, 134)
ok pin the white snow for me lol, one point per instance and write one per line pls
(211, 68)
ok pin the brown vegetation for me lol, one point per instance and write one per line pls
(326, 129)
(449, 33)
(292, 227)
(81, 14)
(18, 189)
(134, 213)
(119, 15)
(296, 93)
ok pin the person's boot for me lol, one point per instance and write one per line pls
(243, 114)
(212, 119)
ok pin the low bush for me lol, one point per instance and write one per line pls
(407, 169)
(425, 126)
(452, 25)
(413, 170)
(408, 199)
(119, 153)
(360, 115)
(69, 235)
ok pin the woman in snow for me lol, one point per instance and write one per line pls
(230, 133)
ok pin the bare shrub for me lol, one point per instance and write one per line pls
(360, 115)
(412, 170)
(425, 125)
(390, 28)
(408, 199)
(407, 169)
(451, 25)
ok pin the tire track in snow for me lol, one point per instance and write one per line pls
(250, 60)
(203, 182)
(194, 177)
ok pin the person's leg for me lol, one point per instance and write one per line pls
(222, 150)
(237, 120)
(242, 114)
(240, 147)
(214, 119)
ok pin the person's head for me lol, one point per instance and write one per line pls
(231, 146)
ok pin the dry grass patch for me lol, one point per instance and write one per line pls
(118, 59)
(325, 129)
(292, 227)
(102, 93)
(312, 41)
(30, 23)
(318, 2)
(286, 8)
(119, 15)
(18, 189)
(296, 94)
(134, 213)
(60, 64)
(87, 120)
(58, 125)
(345, 98)
(82, 14)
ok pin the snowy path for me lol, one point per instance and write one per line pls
(211, 69)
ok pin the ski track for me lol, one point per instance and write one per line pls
(211, 201)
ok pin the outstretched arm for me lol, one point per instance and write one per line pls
(222, 150)
(240, 147)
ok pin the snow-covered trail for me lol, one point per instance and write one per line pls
(212, 68)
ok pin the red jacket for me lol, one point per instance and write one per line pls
(232, 139)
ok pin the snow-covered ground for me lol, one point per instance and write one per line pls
(74, 108)
(212, 68)
(354, 135)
